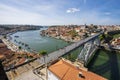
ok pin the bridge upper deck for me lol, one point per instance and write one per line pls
(56, 54)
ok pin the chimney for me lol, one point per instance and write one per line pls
(81, 75)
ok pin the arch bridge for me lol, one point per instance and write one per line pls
(89, 44)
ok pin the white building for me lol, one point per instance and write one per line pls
(64, 70)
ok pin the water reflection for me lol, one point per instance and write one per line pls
(106, 63)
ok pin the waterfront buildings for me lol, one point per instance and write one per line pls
(74, 33)
(116, 43)
(10, 59)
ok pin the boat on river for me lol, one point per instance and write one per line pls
(16, 36)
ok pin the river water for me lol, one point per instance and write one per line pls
(37, 42)
(104, 63)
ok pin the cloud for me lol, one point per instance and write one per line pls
(45, 12)
(107, 13)
(12, 15)
(72, 10)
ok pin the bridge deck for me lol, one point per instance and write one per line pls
(56, 54)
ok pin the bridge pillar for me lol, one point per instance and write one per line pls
(97, 41)
(88, 50)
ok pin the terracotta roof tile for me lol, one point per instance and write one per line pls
(66, 71)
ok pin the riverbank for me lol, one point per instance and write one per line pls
(37, 42)
(106, 63)
(69, 34)
(10, 45)
(58, 38)
(6, 29)
(11, 56)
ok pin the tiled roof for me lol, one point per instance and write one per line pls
(66, 71)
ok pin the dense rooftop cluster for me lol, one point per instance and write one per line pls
(116, 43)
(5, 29)
(11, 59)
(75, 33)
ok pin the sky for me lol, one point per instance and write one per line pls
(60, 12)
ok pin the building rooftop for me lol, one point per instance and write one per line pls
(67, 71)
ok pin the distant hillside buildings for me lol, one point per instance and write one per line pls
(74, 33)
(5, 29)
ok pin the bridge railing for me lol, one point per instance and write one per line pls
(56, 54)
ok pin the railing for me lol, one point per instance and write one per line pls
(56, 54)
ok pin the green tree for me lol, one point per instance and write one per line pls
(43, 53)
(86, 35)
(73, 33)
(102, 37)
(106, 37)
(69, 56)
(20, 47)
(5, 36)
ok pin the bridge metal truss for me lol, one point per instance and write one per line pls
(88, 50)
